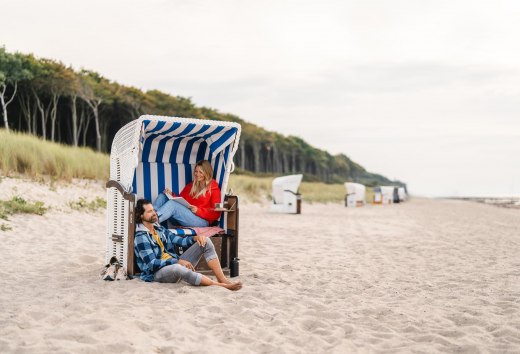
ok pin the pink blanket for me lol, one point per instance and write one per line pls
(208, 231)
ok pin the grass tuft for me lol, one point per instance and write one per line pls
(18, 205)
(83, 204)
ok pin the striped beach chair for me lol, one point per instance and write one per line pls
(152, 153)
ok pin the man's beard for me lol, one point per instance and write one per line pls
(151, 220)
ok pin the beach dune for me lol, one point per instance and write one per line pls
(422, 276)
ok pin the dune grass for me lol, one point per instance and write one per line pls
(34, 157)
(31, 156)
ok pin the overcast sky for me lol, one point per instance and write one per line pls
(427, 92)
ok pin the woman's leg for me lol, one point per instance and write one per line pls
(179, 213)
(159, 201)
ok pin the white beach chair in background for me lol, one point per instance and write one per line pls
(378, 196)
(153, 153)
(286, 198)
(402, 194)
(387, 194)
(355, 196)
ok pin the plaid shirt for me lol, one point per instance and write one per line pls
(148, 253)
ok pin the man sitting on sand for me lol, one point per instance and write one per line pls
(156, 257)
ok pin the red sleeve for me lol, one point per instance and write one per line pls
(185, 193)
(207, 211)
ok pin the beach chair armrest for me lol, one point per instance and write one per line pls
(290, 191)
(115, 184)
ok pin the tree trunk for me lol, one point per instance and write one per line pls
(54, 112)
(85, 117)
(27, 110)
(3, 88)
(74, 127)
(285, 162)
(256, 156)
(44, 114)
(94, 105)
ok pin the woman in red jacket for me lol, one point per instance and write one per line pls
(202, 194)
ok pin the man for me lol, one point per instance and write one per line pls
(156, 257)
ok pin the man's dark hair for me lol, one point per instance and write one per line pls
(139, 209)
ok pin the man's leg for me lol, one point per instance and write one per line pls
(175, 273)
(194, 253)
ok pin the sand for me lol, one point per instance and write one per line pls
(428, 275)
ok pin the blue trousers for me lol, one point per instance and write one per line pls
(177, 213)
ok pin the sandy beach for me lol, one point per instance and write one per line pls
(436, 276)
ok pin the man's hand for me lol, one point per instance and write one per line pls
(201, 240)
(186, 264)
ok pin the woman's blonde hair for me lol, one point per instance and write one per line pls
(201, 188)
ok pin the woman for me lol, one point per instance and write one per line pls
(202, 194)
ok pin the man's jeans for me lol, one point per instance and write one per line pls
(177, 213)
(175, 272)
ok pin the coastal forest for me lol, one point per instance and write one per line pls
(55, 102)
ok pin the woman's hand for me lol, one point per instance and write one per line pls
(201, 240)
(168, 191)
(193, 209)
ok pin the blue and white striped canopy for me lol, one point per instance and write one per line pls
(170, 147)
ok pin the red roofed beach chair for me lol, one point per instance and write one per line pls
(153, 153)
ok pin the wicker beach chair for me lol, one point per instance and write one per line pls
(387, 194)
(402, 194)
(286, 198)
(355, 196)
(155, 152)
(378, 196)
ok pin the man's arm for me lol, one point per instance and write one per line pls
(144, 251)
(176, 240)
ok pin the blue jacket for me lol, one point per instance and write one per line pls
(148, 253)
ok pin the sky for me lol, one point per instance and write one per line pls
(427, 92)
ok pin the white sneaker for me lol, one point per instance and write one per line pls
(121, 274)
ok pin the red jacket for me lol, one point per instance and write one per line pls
(205, 203)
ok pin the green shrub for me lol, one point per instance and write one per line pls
(83, 204)
(18, 205)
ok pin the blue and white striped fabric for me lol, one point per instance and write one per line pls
(183, 232)
(170, 149)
